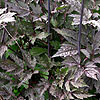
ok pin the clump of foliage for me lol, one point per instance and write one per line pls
(26, 71)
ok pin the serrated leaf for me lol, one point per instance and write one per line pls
(70, 62)
(66, 50)
(4, 76)
(90, 65)
(2, 50)
(29, 61)
(85, 52)
(67, 86)
(55, 91)
(23, 5)
(92, 73)
(17, 60)
(61, 83)
(72, 36)
(96, 41)
(6, 90)
(39, 36)
(42, 35)
(66, 33)
(22, 10)
(27, 77)
(44, 89)
(97, 86)
(8, 65)
(17, 71)
(95, 23)
(96, 60)
(86, 16)
(71, 40)
(70, 96)
(79, 73)
(75, 5)
(4, 81)
(78, 84)
(96, 15)
(5, 94)
(82, 96)
(2, 10)
(36, 9)
(7, 17)
(52, 90)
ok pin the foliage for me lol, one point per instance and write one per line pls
(26, 71)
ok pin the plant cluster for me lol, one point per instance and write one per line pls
(26, 71)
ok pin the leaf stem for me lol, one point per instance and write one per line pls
(48, 28)
(80, 28)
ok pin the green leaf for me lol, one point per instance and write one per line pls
(25, 84)
(14, 46)
(64, 70)
(54, 22)
(45, 73)
(36, 51)
(15, 91)
(61, 7)
(46, 95)
(8, 52)
(55, 44)
(46, 77)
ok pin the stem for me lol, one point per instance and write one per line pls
(80, 28)
(11, 36)
(48, 28)
(3, 37)
(14, 40)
